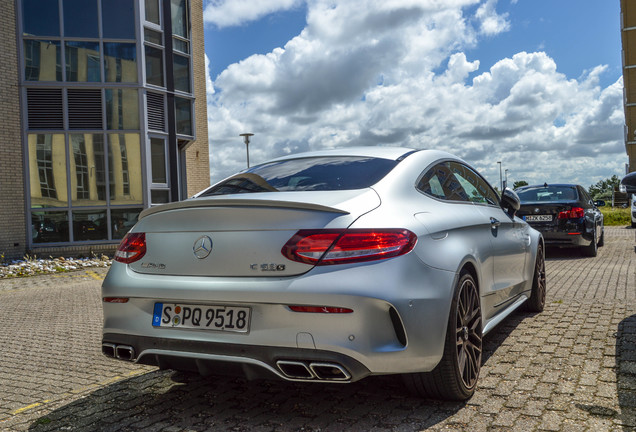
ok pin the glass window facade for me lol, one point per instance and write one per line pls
(158, 160)
(49, 227)
(154, 66)
(118, 19)
(88, 169)
(92, 166)
(152, 9)
(181, 73)
(90, 225)
(124, 169)
(83, 61)
(153, 37)
(42, 60)
(122, 220)
(80, 18)
(39, 18)
(183, 112)
(47, 167)
(120, 62)
(122, 108)
(179, 17)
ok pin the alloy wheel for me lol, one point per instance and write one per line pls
(468, 334)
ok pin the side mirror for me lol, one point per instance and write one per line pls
(599, 203)
(510, 202)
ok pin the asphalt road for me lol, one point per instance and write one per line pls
(570, 368)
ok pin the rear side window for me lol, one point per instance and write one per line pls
(454, 181)
(547, 193)
(307, 174)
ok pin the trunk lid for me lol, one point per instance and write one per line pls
(241, 235)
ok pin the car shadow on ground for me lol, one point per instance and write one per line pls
(625, 378)
(564, 254)
(184, 401)
(626, 371)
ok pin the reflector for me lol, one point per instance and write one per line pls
(320, 309)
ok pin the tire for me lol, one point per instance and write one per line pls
(633, 224)
(592, 249)
(536, 302)
(601, 241)
(455, 377)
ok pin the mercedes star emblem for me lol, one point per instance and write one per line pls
(202, 247)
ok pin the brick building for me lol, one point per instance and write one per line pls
(103, 109)
(628, 38)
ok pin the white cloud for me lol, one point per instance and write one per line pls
(491, 23)
(226, 13)
(209, 85)
(395, 73)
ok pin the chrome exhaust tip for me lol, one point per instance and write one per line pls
(125, 352)
(329, 372)
(295, 369)
(108, 349)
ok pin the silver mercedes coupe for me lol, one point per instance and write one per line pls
(327, 267)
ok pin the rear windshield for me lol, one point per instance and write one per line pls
(307, 174)
(547, 193)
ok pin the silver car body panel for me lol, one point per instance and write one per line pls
(249, 229)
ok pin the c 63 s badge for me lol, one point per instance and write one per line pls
(268, 267)
(150, 265)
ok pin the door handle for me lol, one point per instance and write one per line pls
(494, 223)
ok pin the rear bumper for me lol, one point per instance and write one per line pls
(566, 239)
(398, 325)
(567, 234)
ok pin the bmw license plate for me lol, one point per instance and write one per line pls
(202, 317)
(538, 218)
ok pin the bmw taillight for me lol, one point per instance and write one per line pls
(329, 246)
(573, 213)
(132, 248)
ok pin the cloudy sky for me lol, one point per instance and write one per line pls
(535, 84)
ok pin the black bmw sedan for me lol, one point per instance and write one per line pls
(565, 215)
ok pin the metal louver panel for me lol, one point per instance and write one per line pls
(156, 111)
(85, 109)
(45, 108)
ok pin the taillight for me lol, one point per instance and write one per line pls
(573, 213)
(326, 247)
(132, 248)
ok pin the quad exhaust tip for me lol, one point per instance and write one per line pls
(313, 371)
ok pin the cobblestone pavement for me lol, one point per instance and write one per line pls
(570, 368)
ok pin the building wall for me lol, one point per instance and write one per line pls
(12, 207)
(15, 140)
(197, 155)
(628, 37)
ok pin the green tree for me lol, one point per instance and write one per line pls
(603, 189)
(519, 183)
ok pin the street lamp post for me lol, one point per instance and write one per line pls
(246, 139)
(500, 178)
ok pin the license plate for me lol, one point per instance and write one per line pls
(202, 317)
(538, 218)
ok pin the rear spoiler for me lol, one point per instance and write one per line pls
(234, 202)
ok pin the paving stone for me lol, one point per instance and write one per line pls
(569, 368)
